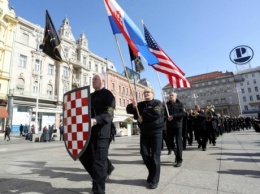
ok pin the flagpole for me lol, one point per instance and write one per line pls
(162, 93)
(121, 56)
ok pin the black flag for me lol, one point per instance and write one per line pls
(51, 42)
(138, 62)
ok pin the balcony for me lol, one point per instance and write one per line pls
(36, 72)
(31, 94)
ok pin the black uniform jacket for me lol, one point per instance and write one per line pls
(200, 121)
(177, 111)
(152, 113)
(102, 109)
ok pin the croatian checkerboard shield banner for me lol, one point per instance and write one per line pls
(76, 120)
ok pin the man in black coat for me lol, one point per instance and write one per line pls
(151, 123)
(200, 128)
(95, 158)
(175, 113)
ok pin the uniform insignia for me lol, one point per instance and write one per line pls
(157, 108)
(110, 110)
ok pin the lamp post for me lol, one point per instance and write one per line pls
(38, 37)
(239, 103)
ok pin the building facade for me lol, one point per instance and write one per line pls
(215, 88)
(8, 23)
(33, 84)
(248, 87)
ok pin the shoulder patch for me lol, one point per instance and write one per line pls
(157, 108)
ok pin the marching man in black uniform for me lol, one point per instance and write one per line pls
(151, 123)
(174, 126)
(95, 158)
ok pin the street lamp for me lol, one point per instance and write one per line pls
(195, 96)
(38, 37)
(239, 103)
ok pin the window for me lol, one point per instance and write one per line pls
(208, 102)
(215, 101)
(96, 67)
(123, 90)
(65, 89)
(20, 84)
(37, 66)
(251, 98)
(51, 69)
(244, 98)
(113, 86)
(25, 38)
(120, 102)
(241, 84)
(223, 100)
(223, 80)
(256, 89)
(85, 78)
(246, 107)
(253, 75)
(258, 97)
(66, 52)
(22, 61)
(84, 60)
(119, 88)
(242, 91)
(65, 72)
(49, 89)
(35, 87)
(89, 65)
(254, 81)
(249, 90)
(247, 83)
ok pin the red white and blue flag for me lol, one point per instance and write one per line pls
(166, 65)
(122, 24)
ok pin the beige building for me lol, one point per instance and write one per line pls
(8, 23)
(215, 88)
(33, 84)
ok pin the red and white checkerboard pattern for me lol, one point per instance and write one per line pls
(76, 121)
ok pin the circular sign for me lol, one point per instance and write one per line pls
(241, 54)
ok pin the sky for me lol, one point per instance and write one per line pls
(198, 35)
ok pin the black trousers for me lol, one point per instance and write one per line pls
(151, 152)
(95, 161)
(175, 137)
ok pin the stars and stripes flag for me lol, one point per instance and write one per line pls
(122, 24)
(166, 65)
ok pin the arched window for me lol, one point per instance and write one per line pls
(35, 87)
(20, 84)
(49, 89)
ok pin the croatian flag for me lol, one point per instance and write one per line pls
(121, 23)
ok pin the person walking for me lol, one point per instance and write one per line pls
(151, 123)
(7, 132)
(21, 130)
(174, 126)
(95, 157)
(200, 129)
(61, 132)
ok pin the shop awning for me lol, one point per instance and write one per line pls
(3, 112)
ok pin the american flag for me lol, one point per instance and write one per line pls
(166, 65)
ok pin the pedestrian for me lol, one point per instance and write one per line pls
(95, 157)
(174, 126)
(7, 132)
(151, 123)
(61, 132)
(200, 129)
(21, 130)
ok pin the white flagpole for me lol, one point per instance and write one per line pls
(162, 93)
(121, 56)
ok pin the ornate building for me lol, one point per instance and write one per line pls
(8, 23)
(215, 88)
(33, 84)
